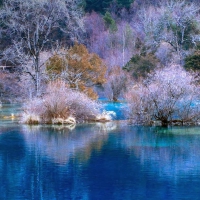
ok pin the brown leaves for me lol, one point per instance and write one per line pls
(82, 69)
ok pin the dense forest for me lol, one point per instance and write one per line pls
(101, 48)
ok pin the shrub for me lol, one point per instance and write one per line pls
(60, 105)
(169, 95)
(31, 118)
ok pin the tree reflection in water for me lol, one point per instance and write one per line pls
(102, 161)
(59, 143)
(171, 152)
(42, 162)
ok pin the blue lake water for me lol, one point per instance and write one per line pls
(98, 161)
(120, 108)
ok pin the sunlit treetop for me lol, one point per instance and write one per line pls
(81, 69)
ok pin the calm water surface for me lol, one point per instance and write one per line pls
(97, 162)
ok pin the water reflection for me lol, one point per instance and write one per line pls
(165, 150)
(41, 162)
(102, 161)
(59, 143)
(12, 155)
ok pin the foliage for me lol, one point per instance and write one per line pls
(141, 65)
(117, 47)
(96, 5)
(60, 104)
(192, 62)
(138, 39)
(168, 95)
(102, 5)
(110, 22)
(79, 68)
(174, 22)
(124, 3)
(33, 26)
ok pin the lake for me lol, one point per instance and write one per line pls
(98, 161)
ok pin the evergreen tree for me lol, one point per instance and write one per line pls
(97, 5)
(141, 65)
(192, 62)
(110, 22)
(102, 5)
(124, 3)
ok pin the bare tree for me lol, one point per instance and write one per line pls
(118, 44)
(173, 22)
(33, 25)
(168, 95)
(117, 83)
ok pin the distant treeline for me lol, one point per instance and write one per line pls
(102, 6)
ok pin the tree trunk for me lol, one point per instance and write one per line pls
(164, 122)
(115, 99)
(37, 83)
(37, 75)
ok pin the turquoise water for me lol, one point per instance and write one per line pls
(98, 161)
(120, 108)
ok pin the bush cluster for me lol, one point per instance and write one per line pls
(60, 105)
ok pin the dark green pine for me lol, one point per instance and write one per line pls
(124, 3)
